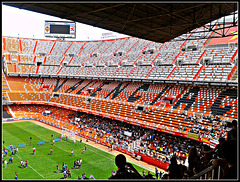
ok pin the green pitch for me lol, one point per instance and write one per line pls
(43, 165)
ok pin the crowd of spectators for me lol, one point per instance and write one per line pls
(206, 126)
(195, 156)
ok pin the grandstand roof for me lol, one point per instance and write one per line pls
(159, 22)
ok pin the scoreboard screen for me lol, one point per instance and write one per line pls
(60, 29)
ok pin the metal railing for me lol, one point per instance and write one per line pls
(208, 173)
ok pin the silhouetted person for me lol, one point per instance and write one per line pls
(125, 169)
(206, 155)
(232, 134)
(174, 169)
(217, 149)
(193, 161)
(229, 152)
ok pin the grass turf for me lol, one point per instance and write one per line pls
(43, 165)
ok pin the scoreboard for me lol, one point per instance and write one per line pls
(60, 29)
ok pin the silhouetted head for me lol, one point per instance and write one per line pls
(120, 161)
(173, 161)
(193, 152)
(221, 140)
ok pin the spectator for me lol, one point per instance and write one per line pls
(193, 161)
(163, 143)
(217, 149)
(223, 166)
(156, 172)
(232, 134)
(124, 169)
(206, 155)
(174, 169)
(143, 173)
(229, 152)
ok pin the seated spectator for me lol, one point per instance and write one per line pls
(125, 169)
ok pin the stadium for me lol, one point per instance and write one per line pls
(167, 101)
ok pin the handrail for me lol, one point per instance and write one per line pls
(207, 170)
(196, 176)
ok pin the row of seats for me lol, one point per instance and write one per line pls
(189, 57)
(58, 115)
(200, 98)
(209, 72)
(220, 54)
(164, 57)
(215, 72)
(185, 72)
(29, 96)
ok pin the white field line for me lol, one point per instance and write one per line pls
(31, 167)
